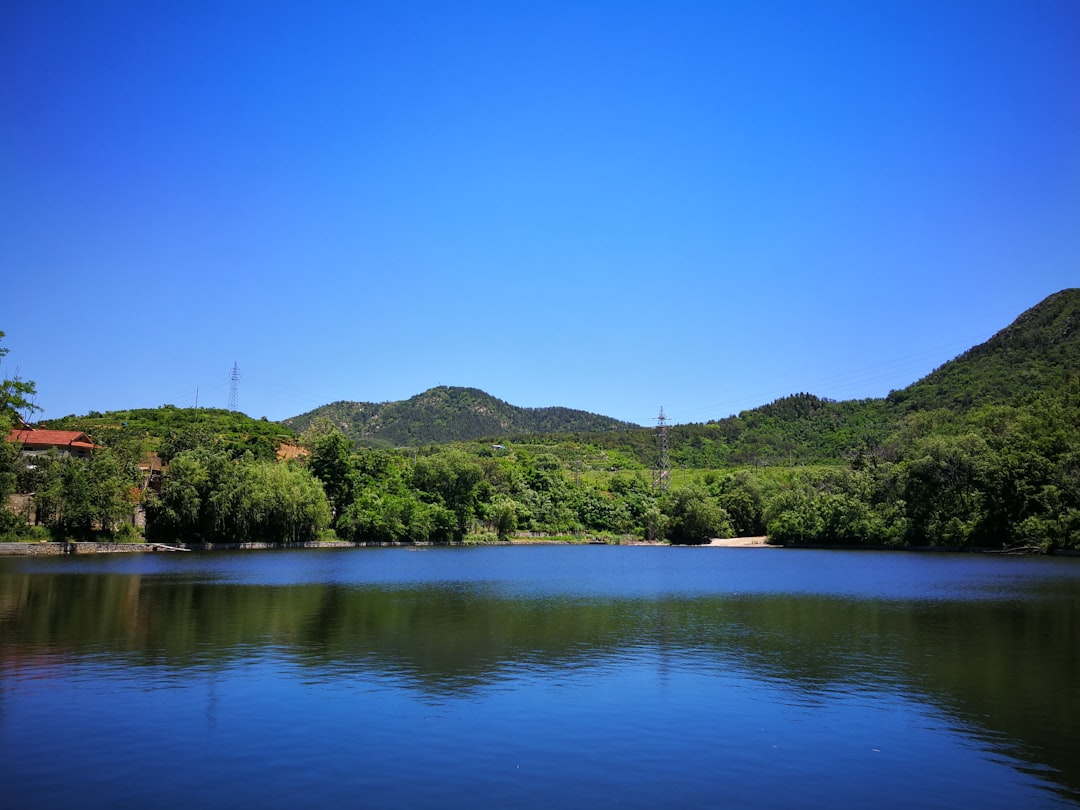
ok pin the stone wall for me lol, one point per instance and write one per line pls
(48, 548)
(53, 549)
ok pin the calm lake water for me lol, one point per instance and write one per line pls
(540, 677)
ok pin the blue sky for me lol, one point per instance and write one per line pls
(612, 206)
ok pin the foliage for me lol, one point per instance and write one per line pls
(1039, 351)
(170, 430)
(78, 497)
(447, 414)
(16, 396)
(10, 469)
(740, 495)
(452, 481)
(985, 452)
(331, 462)
(836, 507)
(694, 516)
(210, 497)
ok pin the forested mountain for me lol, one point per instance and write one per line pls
(983, 452)
(1039, 351)
(446, 414)
(1036, 353)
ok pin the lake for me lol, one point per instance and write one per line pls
(540, 676)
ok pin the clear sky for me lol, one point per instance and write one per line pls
(612, 206)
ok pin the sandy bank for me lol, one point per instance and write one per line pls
(742, 542)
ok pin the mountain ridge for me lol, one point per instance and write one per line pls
(1039, 350)
(449, 413)
(1036, 353)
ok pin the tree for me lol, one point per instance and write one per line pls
(740, 496)
(695, 517)
(278, 503)
(78, 497)
(503, 516)
(177, 512)
(209, 497)
(191, 437)
(451, 480)
(943, 484)
(16, 397)
(332, 463)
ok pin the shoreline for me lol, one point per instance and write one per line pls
(742, 542)
(56, 548)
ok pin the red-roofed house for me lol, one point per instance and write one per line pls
(66, 442)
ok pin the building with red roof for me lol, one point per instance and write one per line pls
(36, 441)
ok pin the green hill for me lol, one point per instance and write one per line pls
(168, 429)
(1036, 354)
(448, 414)
(1039, 351)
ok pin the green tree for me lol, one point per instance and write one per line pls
(740, 496)
(279, 503)
(177, 513)
(209, 497)
(331, 461)
(504, 516)
(16, 397)
(78, 497)
(694, 516)
(452, 480)
(192, 437)
(942, 484)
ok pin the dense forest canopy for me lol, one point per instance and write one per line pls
(447, 414)
(168, 429)
(984, 451)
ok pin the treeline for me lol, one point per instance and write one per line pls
(985, 451)
(800, 429)
(169, 429)
(454, 494)
(997, 476)
(71, 497)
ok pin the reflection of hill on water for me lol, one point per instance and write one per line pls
(1006, 670)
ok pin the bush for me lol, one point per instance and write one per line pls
(695, 517)
(128, 534)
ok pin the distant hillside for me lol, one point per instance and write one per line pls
(1040, 350)
(448, 414)
(1037, 353)
(798, 429)
(160, 428)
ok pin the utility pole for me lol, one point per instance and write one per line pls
(661, 479)
(234, 386)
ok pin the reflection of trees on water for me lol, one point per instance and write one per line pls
(1007, 671)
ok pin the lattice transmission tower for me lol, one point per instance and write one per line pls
(663, 474)
(234, 386)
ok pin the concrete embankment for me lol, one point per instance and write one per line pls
(49, 549)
